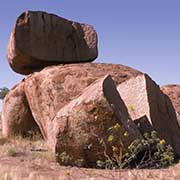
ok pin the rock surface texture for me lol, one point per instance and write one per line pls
(173, 92)
(49, 90)
(15, 168)
(40, 39)
(143, 97)
(80, 128)
(16, 115)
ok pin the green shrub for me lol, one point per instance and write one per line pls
(64, 158)
(150, 152)
(3, 92)
(12, 152)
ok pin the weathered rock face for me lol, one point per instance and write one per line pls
(173, 92)
(52, 88)
(40, 39)
(80, 129)
(143, 96)
(16, 115)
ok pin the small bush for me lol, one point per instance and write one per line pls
(150, 152)
(64, 158)
(3, 92)
(11, 152)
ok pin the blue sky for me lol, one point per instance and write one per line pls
(144, 34)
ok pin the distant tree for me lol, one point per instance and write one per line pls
(3, 92)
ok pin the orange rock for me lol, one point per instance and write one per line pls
(40, 39)
(143, 96)
(16, 115)
(49, 90)
(81, 128)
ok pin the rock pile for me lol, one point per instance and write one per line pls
(73, 102)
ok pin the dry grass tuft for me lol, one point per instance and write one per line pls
(26, 148)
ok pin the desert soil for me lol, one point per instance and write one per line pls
(30, 159)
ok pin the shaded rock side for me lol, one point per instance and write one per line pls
(81, 128)
(40, 39)
(144, 125)
(16, 115)
(173, 92)
(143, 96)
(49, 90)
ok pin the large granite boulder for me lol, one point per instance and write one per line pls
(143, 97)
(80, 129)
(49, 90)
(40, 39)
(16, 115)
(173, 92)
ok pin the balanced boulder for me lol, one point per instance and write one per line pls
(143, 97)
(52, 88)
(173, 92)
(80, 129)
(40, 39)
(16, 115)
